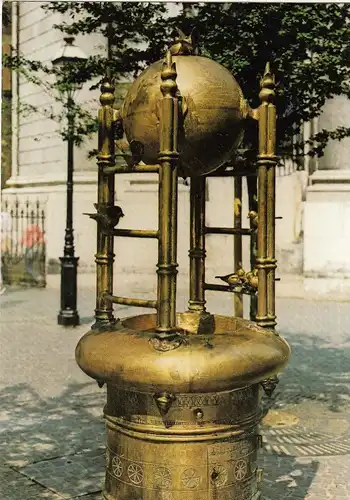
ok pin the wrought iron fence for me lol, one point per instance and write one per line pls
(23, 246)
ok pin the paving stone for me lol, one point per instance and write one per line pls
(308, 478)
(37, 430)
(15, 486)
(70, 477)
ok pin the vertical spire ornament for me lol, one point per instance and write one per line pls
(267, 161)
(168, 175)
(104, 257)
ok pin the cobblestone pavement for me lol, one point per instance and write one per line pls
(52, 433)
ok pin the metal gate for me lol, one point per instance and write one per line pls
(23, 246)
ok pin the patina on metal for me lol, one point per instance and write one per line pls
(184, 388)
(212, 105)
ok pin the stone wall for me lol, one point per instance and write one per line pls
(327, 210)
(6, 99)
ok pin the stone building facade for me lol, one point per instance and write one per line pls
(310, 238)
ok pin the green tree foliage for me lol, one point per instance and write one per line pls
(136, 32)
(307, 45)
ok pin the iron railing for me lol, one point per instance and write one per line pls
(23, 246)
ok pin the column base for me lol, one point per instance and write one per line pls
(68, 318)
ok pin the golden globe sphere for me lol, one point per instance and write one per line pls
(213, 109)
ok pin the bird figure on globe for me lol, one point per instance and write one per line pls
(184, 45)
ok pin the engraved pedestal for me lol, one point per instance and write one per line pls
(182, 418)
(204, 448)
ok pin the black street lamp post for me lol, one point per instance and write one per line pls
(68, 314)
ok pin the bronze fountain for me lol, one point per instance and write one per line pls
(184, 388)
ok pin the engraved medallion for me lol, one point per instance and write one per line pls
(219, 475)
(241, 470)
(117, 467)
(135, 473)
(162, 478)
(190, 479)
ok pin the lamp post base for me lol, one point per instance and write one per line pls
(68, 315)
(68, 318)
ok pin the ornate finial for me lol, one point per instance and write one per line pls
(107, 91)
(267, 85)
(184, 45)
(168, 76)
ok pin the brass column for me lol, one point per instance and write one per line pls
(237, 242)
(271, 203)
(266, 262)
(167, 199)
(104, 257)
(253, 210)
(197, 251)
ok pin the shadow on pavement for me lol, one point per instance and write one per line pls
(316, 371)
(287, 478)
(59, 443)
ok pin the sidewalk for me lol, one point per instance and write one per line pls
(52, 436)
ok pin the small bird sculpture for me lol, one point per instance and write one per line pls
(234, 280)
(253, 216)
(242, 282)
(251, 284)
(108, 216)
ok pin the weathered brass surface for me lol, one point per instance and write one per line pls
(233, 353)
(237, 242)
(136, 233)
(134, 169)
(197, 252)
(183, 389)
(182, 423)
(204, 448)
(213, 110)
(127, 301)
(228, 230)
